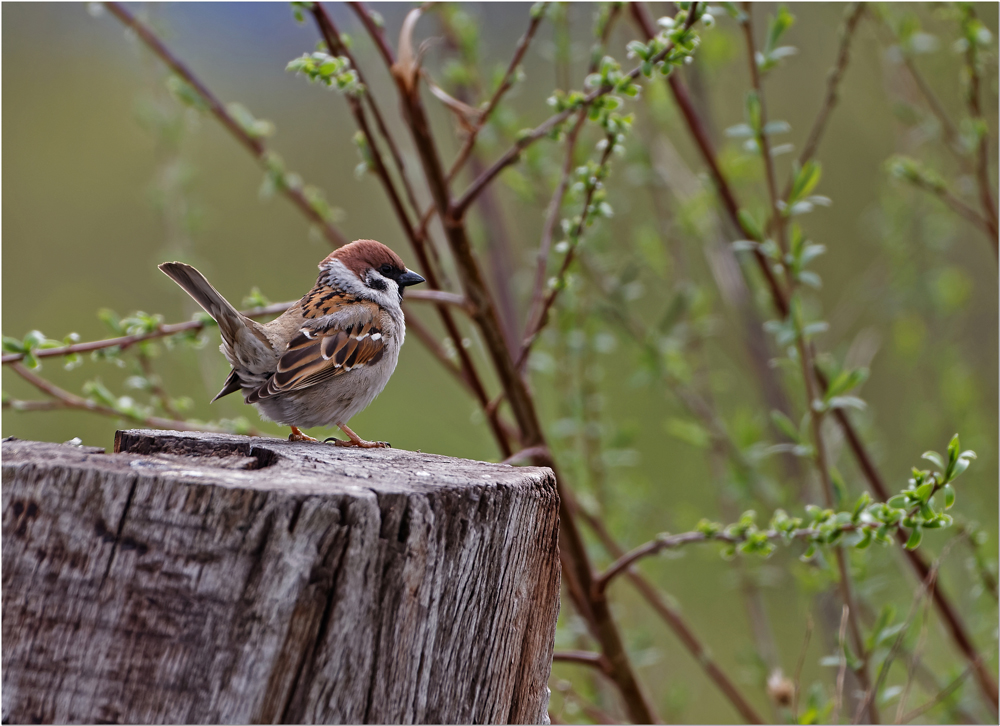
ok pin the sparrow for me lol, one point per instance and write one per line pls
(329, 355)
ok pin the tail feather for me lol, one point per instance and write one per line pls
(232, 385)
(194, 284)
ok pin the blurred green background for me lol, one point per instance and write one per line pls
(106, 176)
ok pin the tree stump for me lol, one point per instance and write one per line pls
(207, 578)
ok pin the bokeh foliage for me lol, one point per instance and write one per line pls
(118, 167)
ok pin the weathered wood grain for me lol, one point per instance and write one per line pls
(211, 578)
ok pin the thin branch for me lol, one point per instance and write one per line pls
(674, 620)
(555, 205)
(940, 696)
(417, 238)
(797, 683)
(526, 455)
(438, 296)
(506, 83)
(853, 16)
(585, 657)
(914, 661)
(672, 541)
(337, 47)
(955, 204)
(155, 386)
(376, 33)
(253, 144)
(514, 153)
(950, 132)
(927, 586)
(805, 357)
(125, 341)
(539, 315)
(71, 400)
(703, 141)
(982, 149)
(954, 622)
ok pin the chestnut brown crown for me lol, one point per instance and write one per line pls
(364, 254)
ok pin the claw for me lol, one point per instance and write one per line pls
(356, 440)
(360, 443)
(297, 435)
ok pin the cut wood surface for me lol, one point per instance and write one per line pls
(207, 578)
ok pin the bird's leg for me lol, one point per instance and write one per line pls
(356, 440)
(297, 435)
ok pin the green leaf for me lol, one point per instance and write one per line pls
(935, 458)
(785, 425)
(805, 180)
(12, 345)
(915, 536)
(847, 402)
(780, 22)
(898, 502)
(863, 501)
(690, 432)
(949, 496)
(960, 466)
(750, 225)
(953, 449)
(866, 540)
(846, 381)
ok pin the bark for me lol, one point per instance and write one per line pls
(205, 578)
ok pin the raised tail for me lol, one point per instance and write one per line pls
(194, 284)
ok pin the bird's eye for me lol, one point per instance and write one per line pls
(385, 269)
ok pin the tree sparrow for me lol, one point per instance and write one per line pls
(326, 357)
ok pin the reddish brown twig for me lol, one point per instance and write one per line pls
(254, 145)
(555, 206)
(927, 586)
(674, 620)
(577, 569)
(506, 83)
(956, 205)
(584, 657)
(777, 223)
(953, 621)
(330, 35)
(514, 153)
(851, 20)
(982, 148)
(943, 694)
(65, 399)
(704, 143)
(338, 48)
(125, 341)
(539, 314)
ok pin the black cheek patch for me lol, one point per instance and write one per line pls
(377, 283)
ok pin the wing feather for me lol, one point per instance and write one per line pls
(326, 347)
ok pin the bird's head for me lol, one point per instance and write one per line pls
(373, 265)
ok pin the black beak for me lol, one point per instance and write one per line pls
(408, 278)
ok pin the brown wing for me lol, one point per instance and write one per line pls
(327, 347)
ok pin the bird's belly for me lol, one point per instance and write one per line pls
(331, 402)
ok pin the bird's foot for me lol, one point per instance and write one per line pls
(359, 443)
(297, 435)
(356, 441)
